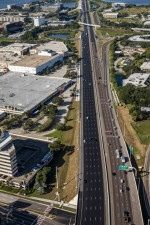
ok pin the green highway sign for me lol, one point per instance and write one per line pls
(123, 167)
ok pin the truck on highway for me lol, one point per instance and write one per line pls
(117, 153)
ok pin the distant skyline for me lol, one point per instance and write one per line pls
(137, 2)
(3, 4)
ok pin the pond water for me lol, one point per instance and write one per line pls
(118, 78)
(59, 36)
(94, 6)
(69, 4)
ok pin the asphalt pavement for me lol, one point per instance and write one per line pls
(91, 193)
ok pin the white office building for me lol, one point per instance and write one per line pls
(137, 79)
(119, 4)
(39, 21)
(145, 66)
(8, 161)
(110, 15)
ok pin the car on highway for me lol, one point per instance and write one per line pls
(121, 181)
(113, 173)
(121, 190)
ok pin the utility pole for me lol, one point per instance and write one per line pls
(124, 129)
(56, 177)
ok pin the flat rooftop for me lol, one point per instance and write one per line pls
(34, 60)
(57, 46)
(17, 47)
(140, 38)
(137, 79)
(25, 92)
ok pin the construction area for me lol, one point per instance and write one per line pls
(26, 91)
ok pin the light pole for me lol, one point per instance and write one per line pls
(148, 221)
(56, 178)
(135, 171)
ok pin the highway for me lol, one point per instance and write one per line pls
(95, 85)
(91, 194)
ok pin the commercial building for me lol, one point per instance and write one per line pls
(12, 18)
(110, 15)
(145, 66)
(39, 21)
(25, 91)
(52, 8)
(35, 63)
(8, 162)
(11, 27)
(119, 4)
(2, 114)
(137, 79)
(147, 23)
(140, 38)
(18, 48)
(11, 6)
(56, 46)
(57, 23)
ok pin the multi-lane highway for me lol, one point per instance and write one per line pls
(96, 102)
(91, 194)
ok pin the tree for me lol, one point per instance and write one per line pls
(60, 126)
(58, 100)
(28, 124)
(56, 146)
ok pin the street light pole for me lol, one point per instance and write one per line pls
(56, 178)
(135, 171)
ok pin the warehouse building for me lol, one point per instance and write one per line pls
(25, 91)
(8, 162)
(18, 48)
(36, 63)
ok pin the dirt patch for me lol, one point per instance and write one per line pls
(130, 135)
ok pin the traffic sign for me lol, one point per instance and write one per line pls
(123, 167)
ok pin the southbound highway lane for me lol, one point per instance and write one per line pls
(91, 197)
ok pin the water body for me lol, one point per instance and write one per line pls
(69, 4)
(118, 78)
(94, 6)
(136, 2)
(59, 36)
(4, 3)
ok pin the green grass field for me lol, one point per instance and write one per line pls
(55, 134)
(142, 129)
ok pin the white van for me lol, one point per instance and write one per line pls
(123, 159)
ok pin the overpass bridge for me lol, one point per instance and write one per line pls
(87, 24)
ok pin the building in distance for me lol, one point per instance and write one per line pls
(52, 8)
(110, 15)
(11, 6)
(140, 38)
(11, 27)
(119, 4)
(39, 21)
(145, 66)
(18, 48)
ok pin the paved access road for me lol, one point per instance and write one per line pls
(28, 212)
(91, 196)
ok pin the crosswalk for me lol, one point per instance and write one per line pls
(42, 218)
